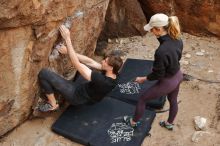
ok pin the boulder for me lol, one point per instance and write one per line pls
(123, 18)
(198, 17)
(28, 34)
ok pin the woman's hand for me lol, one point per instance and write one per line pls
(62, 49)
(64, 32)
(140, 79)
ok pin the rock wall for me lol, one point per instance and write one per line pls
(126, 18)
(198, 17)
(28, 32)
(123, 18)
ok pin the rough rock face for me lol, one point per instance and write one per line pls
(197, 17)
(124, 18)
(28, 32)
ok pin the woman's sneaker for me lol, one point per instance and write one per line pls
(166, 125)
(128, 121)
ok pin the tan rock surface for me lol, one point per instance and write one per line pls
(124, 18)
(196, 17)
(28, 32)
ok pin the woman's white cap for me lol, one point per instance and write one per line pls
(157, 20)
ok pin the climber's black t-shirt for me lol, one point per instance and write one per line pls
(96, 89)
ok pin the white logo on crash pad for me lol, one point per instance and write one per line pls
(129, 88)
(120, 132)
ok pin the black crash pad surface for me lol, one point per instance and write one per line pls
(101, 124)
(129, 91)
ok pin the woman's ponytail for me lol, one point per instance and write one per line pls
(173, 27)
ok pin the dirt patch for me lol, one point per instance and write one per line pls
(218, 108)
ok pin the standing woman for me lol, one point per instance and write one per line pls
(166, 68)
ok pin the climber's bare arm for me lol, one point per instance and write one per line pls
(83, 69)
(82, 58)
